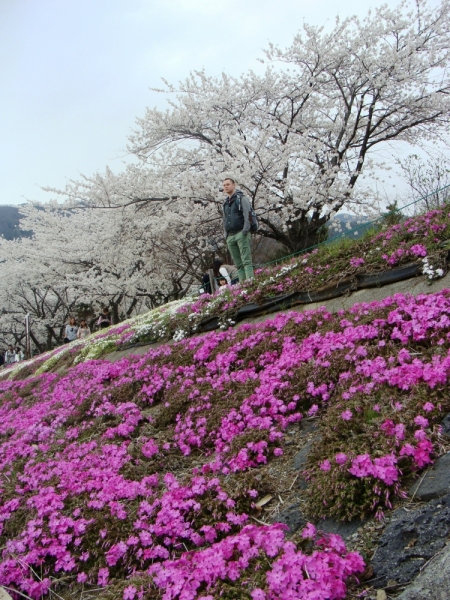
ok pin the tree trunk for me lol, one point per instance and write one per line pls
(49, 339)
(115, 313)
(302, 234)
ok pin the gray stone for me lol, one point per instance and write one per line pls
(445, 424)
(435, 483)
(301, 457)
(410, 540)
(309, 425)
(343, 528)
(300, 460)
(291, 516)
(434, 581)
(302, 484)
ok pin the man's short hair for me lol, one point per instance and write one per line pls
(229, 179)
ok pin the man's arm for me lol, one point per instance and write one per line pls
(223, 222)
(246, 206)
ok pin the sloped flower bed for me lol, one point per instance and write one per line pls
(423, 240)
(138, 476)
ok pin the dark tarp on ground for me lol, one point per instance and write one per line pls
(335, 291)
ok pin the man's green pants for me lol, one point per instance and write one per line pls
(240, 250)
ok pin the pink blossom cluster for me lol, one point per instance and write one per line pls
(427, 225)
(414, 251)
(356, 262)
(292, 574)
(383, 468)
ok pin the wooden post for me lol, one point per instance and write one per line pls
(27, 337)
(212, 279)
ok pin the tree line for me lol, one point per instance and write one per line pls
(300, 139)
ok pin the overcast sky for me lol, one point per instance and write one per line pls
(76, 73)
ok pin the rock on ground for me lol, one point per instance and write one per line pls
(435, 483)
(292, 516)
(343, 528)
(434, 581)
(301, 457)
(446, 425)
(410, 540)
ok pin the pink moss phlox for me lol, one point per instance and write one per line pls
(293, 574)
(52, 433)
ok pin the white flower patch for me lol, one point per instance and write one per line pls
(264, 283)
(430, 271)
(286, 269)
(179, 335)
(97, 349)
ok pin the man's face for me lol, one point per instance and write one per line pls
(228, 187)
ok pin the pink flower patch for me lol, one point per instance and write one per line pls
(309, 531)
(149, 449)
(129, 593)
(421, 421)
(356, 262)
(341, 458)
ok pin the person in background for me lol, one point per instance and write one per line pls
(2, 358)
(228, 272)
(236, 227)
(104, 319)
(10, 356)
(222, 285)
(71, 331)
(83, 330)
(19, 354)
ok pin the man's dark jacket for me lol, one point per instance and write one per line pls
(235, 220)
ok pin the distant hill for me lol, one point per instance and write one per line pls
(9, 223)
(340, 224)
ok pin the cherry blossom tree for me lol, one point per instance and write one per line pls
(298, 138)
(80, 259)
(29, 287)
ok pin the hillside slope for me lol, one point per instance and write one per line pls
(154, 465)
(165, 475)
(10, 223)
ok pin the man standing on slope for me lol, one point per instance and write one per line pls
(236, 226)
